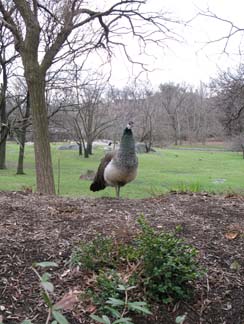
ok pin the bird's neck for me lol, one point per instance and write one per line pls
(127, 144)
(127, 147)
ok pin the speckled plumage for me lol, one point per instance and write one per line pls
(119, 167)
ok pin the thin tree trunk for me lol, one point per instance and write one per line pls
(20, 166)
(86, 154)
(22, 137)
(3, 141)
(80, 149)
(242, 147)
(3, 118)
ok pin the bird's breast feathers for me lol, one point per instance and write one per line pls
(114, 175)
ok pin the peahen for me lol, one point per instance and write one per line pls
(119, 167)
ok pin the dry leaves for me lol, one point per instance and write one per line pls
(68, 301)
(231, 235)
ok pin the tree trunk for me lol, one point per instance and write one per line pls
(80, 149)
(43, 161)
(20, 166)
(3, 119)
(178, 127)
(22, 137)
(86, 153)
(89, 148)
(3, 140)
(242, 147)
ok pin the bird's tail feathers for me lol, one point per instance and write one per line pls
(98, 184)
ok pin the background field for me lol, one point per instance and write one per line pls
(159, 172)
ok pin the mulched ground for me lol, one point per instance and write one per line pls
(42, 228)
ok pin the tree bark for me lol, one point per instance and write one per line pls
(86, 153)
(20, 166)
(43, 161)
(80, 149)
(3, 152)
(22, 137)
(35, 78)
(3, 119)
(89, 147)
(242, 147)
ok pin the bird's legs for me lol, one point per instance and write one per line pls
(117, 189)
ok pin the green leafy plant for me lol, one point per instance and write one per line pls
(106, 287)
(47, 288)
(94, 255)
(169, 264)
(164, 266)
(119, 308)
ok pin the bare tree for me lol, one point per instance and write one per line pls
(237, 144)
(228, 96)
(172, 101)
(7, 57)
(20, 119)
(199, 116)
(140, 105)
(45, 32)
(92, 117)
(161, 116)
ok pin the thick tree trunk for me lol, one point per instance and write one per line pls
(89, 148)
(43, 161)
(86, 153)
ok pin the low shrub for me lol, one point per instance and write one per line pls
(159, 264)
(94, 255)
(169, 264)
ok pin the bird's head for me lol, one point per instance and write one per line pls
(130, 125)
(128, 128)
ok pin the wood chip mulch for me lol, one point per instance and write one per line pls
(45, 228)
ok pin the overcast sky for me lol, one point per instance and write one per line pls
(191, 60)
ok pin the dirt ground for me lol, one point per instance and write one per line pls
(42, 228)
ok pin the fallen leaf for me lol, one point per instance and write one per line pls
(227, 306)
(91, 309)
(231, 235)
(235, 265)
(180, 319)
(65, 273)
(68, 301)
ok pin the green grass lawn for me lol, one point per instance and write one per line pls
(165, 170)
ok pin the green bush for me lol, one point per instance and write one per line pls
(164, 265)
(169, 265)
(94, 255)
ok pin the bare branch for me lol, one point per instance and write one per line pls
(233, 29)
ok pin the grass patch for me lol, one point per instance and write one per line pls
(158, 173)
